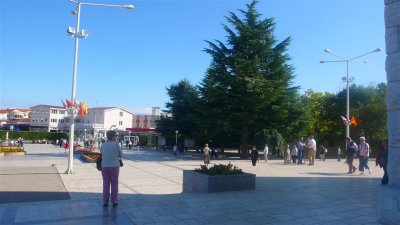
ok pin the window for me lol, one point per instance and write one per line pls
(121, 113)
(53, 120)
(54, 111)
(120, 122)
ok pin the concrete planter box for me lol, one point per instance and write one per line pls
(198, 182)
(14, 153)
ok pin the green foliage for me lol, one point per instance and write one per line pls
(219, 169)
(272, 138)
(182, 110)
(248, 82)
(29, 135)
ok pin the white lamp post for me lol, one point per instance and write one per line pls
(176, 142)
(347, 79)
(77, 33)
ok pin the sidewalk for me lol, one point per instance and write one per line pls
(151, 186)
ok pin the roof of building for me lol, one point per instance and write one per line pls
(3, 111)
(48, 106)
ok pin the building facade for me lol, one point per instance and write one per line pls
(15, 119)
(101, 119)
(49, 118)
(147, 121)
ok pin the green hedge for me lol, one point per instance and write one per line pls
(29, 135)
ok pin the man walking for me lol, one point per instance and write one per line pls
(351, 150)
(364, 155)
(300, 151)
(266, 153)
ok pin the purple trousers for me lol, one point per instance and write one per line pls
(110, 178)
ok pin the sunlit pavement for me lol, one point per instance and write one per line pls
(151, 193)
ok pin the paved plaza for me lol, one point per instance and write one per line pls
(151, 192)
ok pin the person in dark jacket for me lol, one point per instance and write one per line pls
(383, 161)
(351, 151)
(254, 155)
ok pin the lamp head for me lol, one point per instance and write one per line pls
(365, 61)
(322, 62)
(129, 6)
(327, 50)
(378, 50)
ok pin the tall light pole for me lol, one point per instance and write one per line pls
(176, 142)
(77, 33)
(347, 79)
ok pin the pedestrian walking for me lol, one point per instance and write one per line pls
(382, 161)
(322, 152)
(339, 153)
(206, 152)
(111, 154)
(266, 153)
(364, 156)
(293, 154)
(286, 155)
(300, 151)
(254, 155)
(351, 151)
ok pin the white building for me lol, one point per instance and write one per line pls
(49, 118)
(97, 121)
(101, 119)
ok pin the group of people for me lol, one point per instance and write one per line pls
(362, 151)
(112, 153)
(303, 151)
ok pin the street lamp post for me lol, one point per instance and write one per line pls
(348, 80)
(176, 142)
(77, 33)
(129, 139)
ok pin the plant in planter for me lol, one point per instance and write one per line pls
(90, 156)
(219, 169)
(218, 178)
(11, 149)
(14, 150)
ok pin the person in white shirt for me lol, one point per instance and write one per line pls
(364, 155)
(312, 149)
(266, 153)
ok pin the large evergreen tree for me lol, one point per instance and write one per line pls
(248, 84)
(181, 112)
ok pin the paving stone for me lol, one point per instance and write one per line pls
(150, 193)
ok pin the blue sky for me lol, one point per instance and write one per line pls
(131, 56)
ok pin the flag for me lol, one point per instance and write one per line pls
(65, 106)
(354, 121)
(69, 104)
(345, 121)
(83, 109)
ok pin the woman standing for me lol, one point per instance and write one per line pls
(111, 154)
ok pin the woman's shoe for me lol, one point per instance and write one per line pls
(115, 204)
(105, 205)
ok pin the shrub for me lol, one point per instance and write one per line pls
(219, 169)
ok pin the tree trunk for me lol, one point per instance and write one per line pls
(244, 147)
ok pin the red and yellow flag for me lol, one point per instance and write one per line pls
(354, 121)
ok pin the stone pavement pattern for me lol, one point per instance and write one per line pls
(151, 186)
